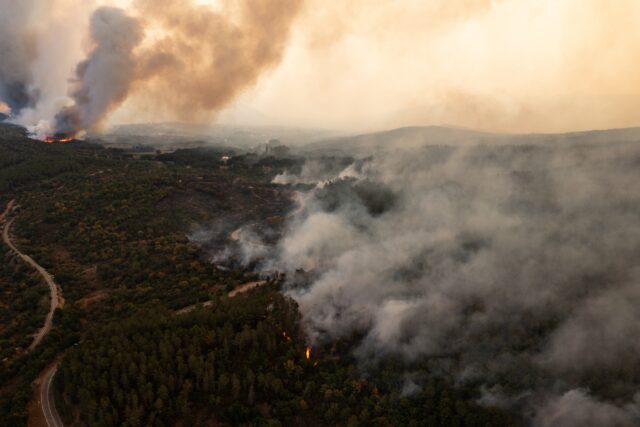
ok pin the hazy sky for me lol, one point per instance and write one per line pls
(502, 64)
(509, 65)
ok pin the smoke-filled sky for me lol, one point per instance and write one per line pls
(506, 65)
(512, 65)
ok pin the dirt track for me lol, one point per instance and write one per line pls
(6, 211)
(246, 288)
(48, 278)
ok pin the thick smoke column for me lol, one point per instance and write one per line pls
(199, 60)
(510, 264)
(103, 80)
(17, 53)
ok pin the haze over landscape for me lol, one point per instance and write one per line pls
(499, 65)
(287, 212)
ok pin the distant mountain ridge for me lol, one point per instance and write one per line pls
(417, 136)
(243, 137)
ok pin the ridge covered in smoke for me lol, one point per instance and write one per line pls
(502, 265)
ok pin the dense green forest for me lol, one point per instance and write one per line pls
(24, 161)
(113, 231)
(240, 362)
(24, 302)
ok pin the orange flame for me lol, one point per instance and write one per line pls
(308, 353)
(51, 140)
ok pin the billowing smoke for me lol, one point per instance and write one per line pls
(206, 57)
(17, 53)
(104, 79)
(510, 265)
(194, 61)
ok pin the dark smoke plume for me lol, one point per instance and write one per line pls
(103, 80)
(200, 60)
(17, 53)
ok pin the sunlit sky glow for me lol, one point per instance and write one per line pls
(506, 65)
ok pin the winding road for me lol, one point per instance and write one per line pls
(53, 288)
(6, 211)
(45, 394)
(55, 298)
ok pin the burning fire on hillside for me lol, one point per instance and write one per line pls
(57, 139)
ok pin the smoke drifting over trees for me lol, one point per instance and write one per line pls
(507, 265)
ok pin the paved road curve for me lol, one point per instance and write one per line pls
(53, 289)
(47, 401)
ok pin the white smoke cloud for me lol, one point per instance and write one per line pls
(576, 408)
(316, 171)
(609, 319)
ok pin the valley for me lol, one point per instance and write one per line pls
(130, 242)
